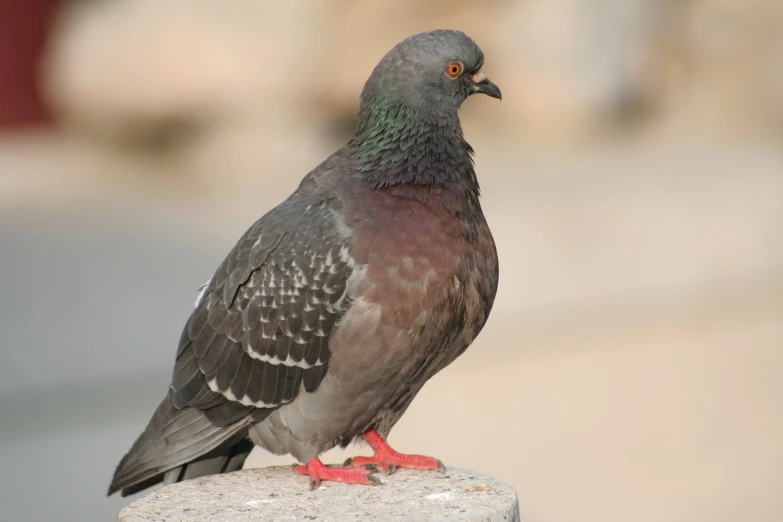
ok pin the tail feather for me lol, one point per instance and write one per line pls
(180, 444)
(229, 460)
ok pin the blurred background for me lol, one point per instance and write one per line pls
(632, 368)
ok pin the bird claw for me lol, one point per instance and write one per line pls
(361, 462)
(359, 470)
(318, 471)
(390, 462)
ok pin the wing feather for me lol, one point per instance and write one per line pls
(214, 354)
(260, 331)
(258, 337)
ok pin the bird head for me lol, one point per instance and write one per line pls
(437, 69)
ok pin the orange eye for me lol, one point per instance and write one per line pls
(453, 69)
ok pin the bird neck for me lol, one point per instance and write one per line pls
(399, 143)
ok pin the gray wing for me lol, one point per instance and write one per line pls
(258, 337)
(260, 332)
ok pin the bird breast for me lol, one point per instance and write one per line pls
(417, 299)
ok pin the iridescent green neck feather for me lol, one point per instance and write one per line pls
(401, 140)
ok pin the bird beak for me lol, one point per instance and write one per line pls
(482, 84)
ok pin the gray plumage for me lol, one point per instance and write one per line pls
(335, 308)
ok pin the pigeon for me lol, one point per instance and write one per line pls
(332, 311)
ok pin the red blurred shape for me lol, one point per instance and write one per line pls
(24, 26)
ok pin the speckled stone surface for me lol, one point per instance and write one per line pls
(277, 493)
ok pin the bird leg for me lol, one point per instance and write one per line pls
(387, 458)
(319, 471)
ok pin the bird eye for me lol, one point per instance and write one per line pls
(453, 69)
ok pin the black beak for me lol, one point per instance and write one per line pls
(482, 84)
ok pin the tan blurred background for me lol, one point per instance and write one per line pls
(632, 368)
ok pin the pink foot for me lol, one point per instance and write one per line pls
(388, 459)
(318, 471)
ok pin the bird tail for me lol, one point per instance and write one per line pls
(180, 444)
